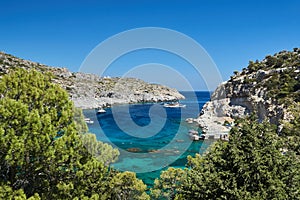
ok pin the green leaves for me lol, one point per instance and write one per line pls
(46, 153)
(125, 186)
(291, 128)
(6, 192)
(103, 152)
(166, 186)
(249, 166)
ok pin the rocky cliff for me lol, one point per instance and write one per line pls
(92, 91)
(266, 87)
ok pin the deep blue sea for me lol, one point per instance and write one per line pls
(150, 137)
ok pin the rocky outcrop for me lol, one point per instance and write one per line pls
(266, 87)
(217, 114)
(108, 91)
(92, 91)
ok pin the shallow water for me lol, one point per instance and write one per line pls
(150, 137)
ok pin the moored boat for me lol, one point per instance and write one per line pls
(101, 110)
(174, 105)
(194, 135)
(88, 121)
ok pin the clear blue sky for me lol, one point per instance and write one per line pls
(62, 33)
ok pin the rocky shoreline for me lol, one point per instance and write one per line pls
(265, 87)
(217, 115)
(110, 91)
(89, 91)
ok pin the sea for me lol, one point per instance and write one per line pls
(149, 136)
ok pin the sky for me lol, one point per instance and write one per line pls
(63, 33)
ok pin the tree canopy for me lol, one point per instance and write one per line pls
(251, 165)
(165, 188)
(43, 150)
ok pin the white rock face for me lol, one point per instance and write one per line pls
(218, 111)
(230, 101)
(247, 92)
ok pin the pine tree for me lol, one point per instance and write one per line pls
(42, 146)
(166, 186)
(249, 166)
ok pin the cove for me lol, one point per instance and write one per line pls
(150, 137)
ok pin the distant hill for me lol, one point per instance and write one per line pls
(92, 91)
(268, 87)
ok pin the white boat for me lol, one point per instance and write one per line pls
(88, 121)
(194, 135)
(101, 110)
(174, 105)
(197, 137)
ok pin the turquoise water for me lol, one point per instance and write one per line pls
(150, 137)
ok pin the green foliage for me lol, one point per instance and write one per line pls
(249, 166)
(104, 153)
(125, 186)
(42, 152)
(6, 192)
(35, 115)
(80, 123)
(271, 61)
(254, 66)
(165, 187)
(282, 86)
(282, 78)
(247, 80)
(291, 128)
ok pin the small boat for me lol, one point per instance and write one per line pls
(88, 121)
(101, 110)
(194, 135)
(197, 137)
(174, 105)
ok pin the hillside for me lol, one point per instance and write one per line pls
(268, 87)
(92, 91)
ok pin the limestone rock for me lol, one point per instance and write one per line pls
(248, 92)
(92, 91)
